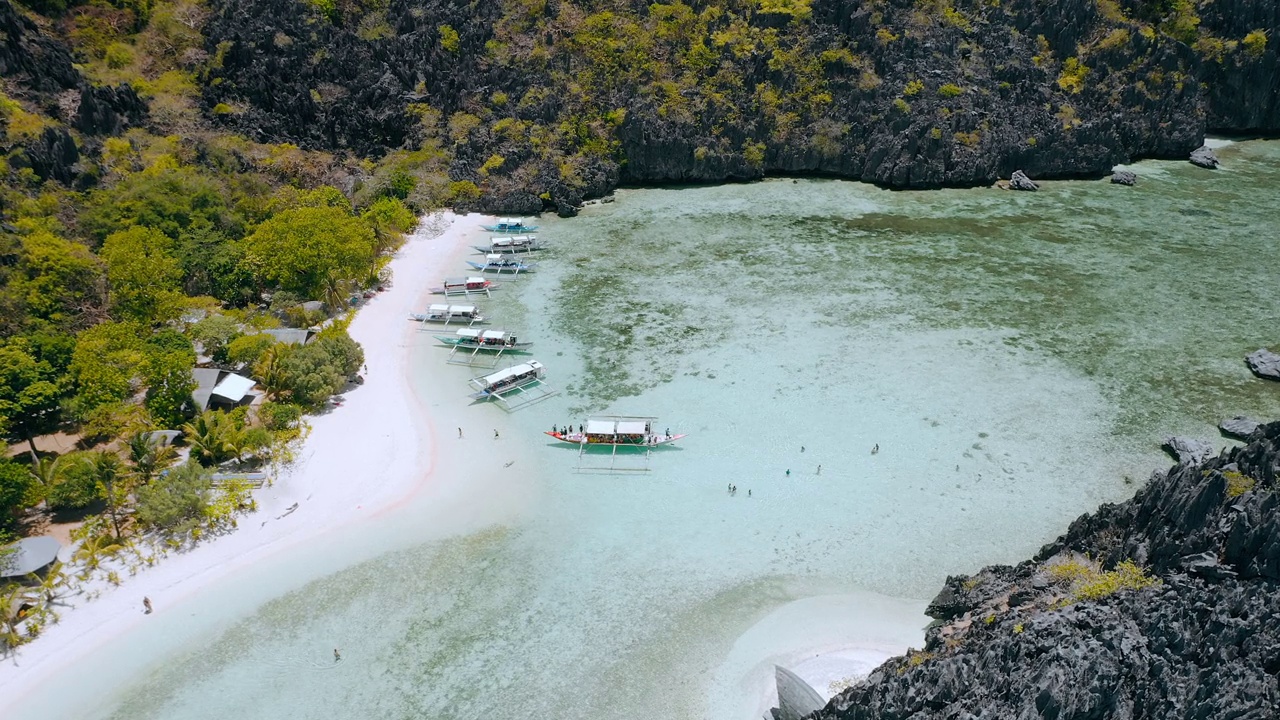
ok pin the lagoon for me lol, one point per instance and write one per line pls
(1016, 357)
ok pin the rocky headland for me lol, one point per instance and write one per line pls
(528, 105)
(1165, 606)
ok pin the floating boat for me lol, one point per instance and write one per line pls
(496, 262)
(616, 430)
(510, 225)
(515, 387)
(510, 244)
(490, 340)
(450, 315)
(465, 286)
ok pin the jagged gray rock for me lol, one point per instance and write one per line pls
(1203, 643)
(1204, 157)
(1238, 427)
(1188, 450)
(1124, 177)
(1264, 364)
(1020, 181)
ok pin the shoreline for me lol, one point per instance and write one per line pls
(332, 487)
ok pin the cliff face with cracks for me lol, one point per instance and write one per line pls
(1201, 641)
(551, 101)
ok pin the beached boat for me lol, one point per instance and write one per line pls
(510, 225)
(498, 263)
(510, 244)
(618, 430)
(488, 340)
(514, 387)
(450, 315)
(465, 286)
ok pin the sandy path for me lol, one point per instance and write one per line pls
(369, 455)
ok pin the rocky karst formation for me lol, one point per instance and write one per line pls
(1197, 636)
(572, 98)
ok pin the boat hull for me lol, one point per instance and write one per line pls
(512, 229)
(506, 250)
(513, 269)
(454, 342)
(578, 439)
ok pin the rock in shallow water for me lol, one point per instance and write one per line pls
(1187, 450)
(1020, 181)
(1238, 427)
(1264, 364)
(1204, 157)
(1124, 177)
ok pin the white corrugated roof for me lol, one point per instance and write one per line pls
(494, 334)
(465, 309)
(468, 333)
(233, 387)
(474, 280)
(631, 427)
(438, 308)
(600, 427)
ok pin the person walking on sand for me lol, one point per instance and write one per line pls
(146, 605)
(459, 433)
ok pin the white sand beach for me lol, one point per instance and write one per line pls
(363, 458)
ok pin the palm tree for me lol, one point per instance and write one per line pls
(148, 456)
(46, 471)
(110, 473)
(96, 547)
(335, 290)
(11, 601)
(208, 435)
(269, 370)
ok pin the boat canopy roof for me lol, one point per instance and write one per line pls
(464, 309)
(455, 281)
(513, 371)
(468, 333)
(476, 280)
(494, 334)
(493, 257)
(510, 221)
(439, 308)
(617, 427)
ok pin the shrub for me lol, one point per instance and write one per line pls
(1072, 77)
(223, 109)
(1087, 581)
(912, 88)
(1114, 39)
(175, 501)
(1237, 483)
(246, 349)
(77, 486)
(901, 106)
(118, 55)
(449, 39)
(753, 153)
(1255, 43)
(950, 90)
(885, 36)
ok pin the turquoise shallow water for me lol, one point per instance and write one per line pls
(1016, 357)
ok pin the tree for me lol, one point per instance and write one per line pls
(169, 383)
(175, 502)
(247, 349)
(215, 333)
(298, 248)
(105, 364)
(59, 281)
(269, 368)
(113, 483)
(29, 398)
(148, 455)
(211, 435)
(16, 488)
(144, 275)
(77, 484)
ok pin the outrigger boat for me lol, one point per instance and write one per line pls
(495, 262)
(465, 286)
(493, 340)
(450, 315)
(510, 225)
(511, 244)
(522, 383)
(619, 430)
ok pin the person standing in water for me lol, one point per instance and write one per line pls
(788, 472)
(819, 470)
(495, 434)
(337, 655)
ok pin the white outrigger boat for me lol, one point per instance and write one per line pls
(510, 244)
(510, 225)
(515, 387)
(616, 432)
(499, 263)
(481, 348)
(450, 315)
(465, 286)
